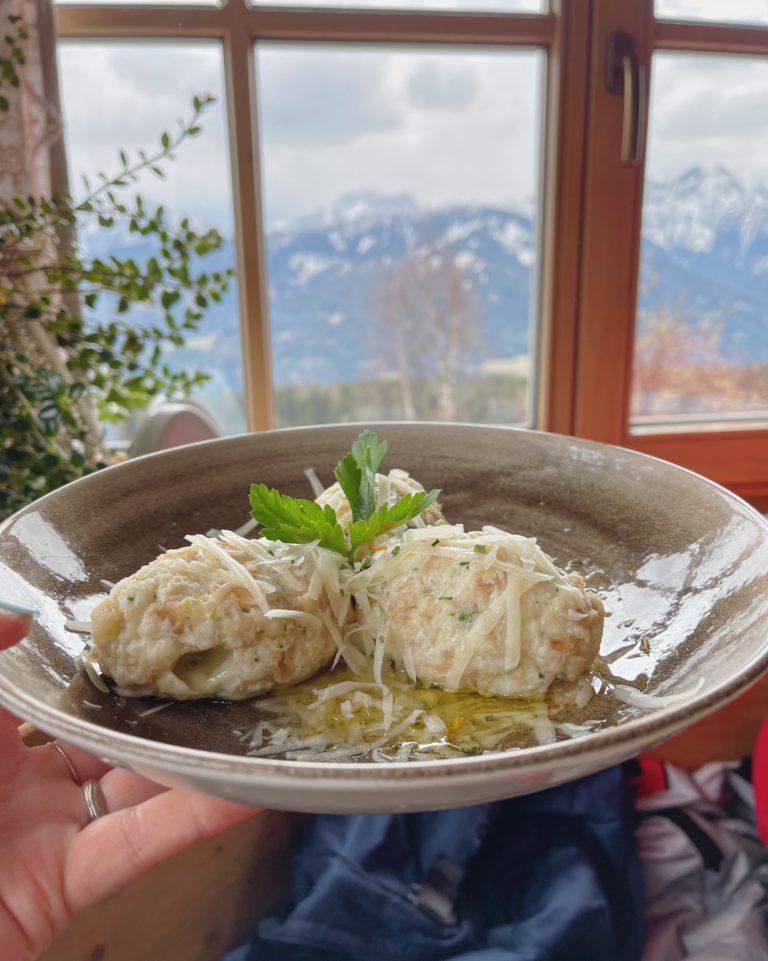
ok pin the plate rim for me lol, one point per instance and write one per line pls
(134, 749)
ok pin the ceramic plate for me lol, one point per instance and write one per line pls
(681, 564)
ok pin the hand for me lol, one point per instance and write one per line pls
(53, 862)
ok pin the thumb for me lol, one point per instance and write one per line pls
(13, 627)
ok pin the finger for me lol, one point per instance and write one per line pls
(123, 789)
(114, 849)
(13, 627)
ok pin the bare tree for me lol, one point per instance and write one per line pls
(427, 329)
(687, 366)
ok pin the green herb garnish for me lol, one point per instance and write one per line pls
(297, 521)
(467, 615)
(480, 549)
(470, 747)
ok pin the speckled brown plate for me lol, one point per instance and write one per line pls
(681, 564)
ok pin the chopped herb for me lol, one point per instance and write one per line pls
(470, 748)
(489, 717)
(395, 551)
(480, 549)
(131, 600)
(445, 598)
(463, 563)
(435, 542)
(467, 615)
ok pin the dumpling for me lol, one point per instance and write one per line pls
(225, 618)
(485, 611)
(389, 487)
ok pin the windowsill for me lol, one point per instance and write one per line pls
(698, 423)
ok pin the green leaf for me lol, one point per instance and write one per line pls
(368, 451)
(387, 517)
(295, 520)
(350, 477)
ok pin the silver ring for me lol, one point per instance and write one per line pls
(67, 761)
(95, 801)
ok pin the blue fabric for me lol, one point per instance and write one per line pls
(549, 877)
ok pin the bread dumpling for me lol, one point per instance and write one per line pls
(485, 611)
(224, 617)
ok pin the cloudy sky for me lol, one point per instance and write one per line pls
(445, 127)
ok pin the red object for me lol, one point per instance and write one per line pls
(652, 777)
(760, 781)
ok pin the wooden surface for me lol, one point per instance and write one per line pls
(192, 907)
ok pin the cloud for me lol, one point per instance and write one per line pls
(125, 94)
(708, 109)
(313, 98)
(452, 89)
(438, 150)
(443, 126)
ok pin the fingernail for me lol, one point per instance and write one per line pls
(15, 607)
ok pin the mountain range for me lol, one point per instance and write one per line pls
(704, 257)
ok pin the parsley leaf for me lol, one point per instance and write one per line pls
(350, 478)
(387, 517)
(368, 452)
(294, 520)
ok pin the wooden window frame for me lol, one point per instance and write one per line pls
(735, 455)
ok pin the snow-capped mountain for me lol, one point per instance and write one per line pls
(324, 282)
(690, 213)
(704, 251)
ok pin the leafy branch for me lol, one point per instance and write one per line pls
(74, 351)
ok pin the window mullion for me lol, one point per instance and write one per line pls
(611, 237)
(564, 153)
(240, 80)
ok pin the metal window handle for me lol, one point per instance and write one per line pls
(625, 75)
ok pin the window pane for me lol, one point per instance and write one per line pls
(124, 95)
(702, 338)
(401, 234)
(724, 11)
(471, 6)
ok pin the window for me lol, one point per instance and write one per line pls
(701, 352)
(455, 177)
(400, 222)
